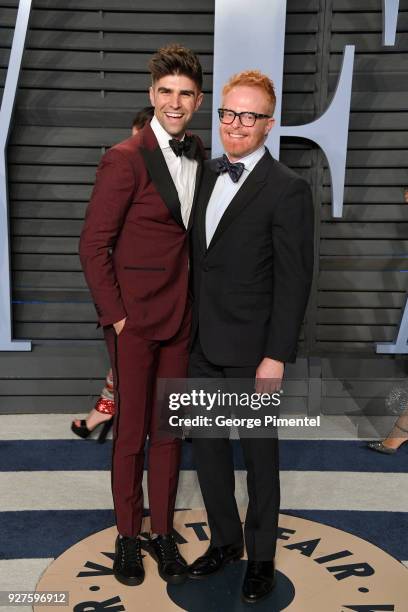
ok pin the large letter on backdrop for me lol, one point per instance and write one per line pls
(6, 112)
(390, 18)
(253, 36)
(400, 346)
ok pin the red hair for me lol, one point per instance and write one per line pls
(253, 78)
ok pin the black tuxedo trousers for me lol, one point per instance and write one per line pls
(215, 469)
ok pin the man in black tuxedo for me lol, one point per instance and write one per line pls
(252, 270)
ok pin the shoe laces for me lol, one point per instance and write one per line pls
(130, 549)
(168, 549)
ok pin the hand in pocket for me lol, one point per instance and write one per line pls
(119, 325)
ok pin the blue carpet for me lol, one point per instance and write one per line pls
(301, 455)
(47, 533)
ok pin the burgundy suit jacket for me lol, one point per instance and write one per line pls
(134, 247)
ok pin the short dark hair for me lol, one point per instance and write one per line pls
(176, 59)
(142, 117)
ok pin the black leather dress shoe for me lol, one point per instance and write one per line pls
(171, 565)
(259, 581)
(214, 560)
(128, 563)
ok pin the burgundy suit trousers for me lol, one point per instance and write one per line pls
(137, 363)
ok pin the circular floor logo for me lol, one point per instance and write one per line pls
(319, 569)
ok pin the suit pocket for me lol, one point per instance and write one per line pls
(268, 292)
(146, 268)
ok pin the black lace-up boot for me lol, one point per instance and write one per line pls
(171, 565)
(128, 562)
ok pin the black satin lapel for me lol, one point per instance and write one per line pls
(196, 192)
(161, 177)
(242, 198)
(208, 181)
(200, 159)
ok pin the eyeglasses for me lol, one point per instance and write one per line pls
(247, 119)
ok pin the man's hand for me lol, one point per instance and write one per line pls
(119, 325)
(269, 375)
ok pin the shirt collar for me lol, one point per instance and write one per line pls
(253, 158)
(161, 135)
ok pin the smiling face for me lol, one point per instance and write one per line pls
(175, 98)
(237, 139)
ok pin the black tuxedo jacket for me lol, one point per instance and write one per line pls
(251, 285)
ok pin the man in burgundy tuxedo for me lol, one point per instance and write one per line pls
(134, 251)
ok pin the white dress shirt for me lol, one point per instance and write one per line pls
(225, 190)
(182, 170)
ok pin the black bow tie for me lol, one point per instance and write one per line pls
(234, 170)
(186, 147)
